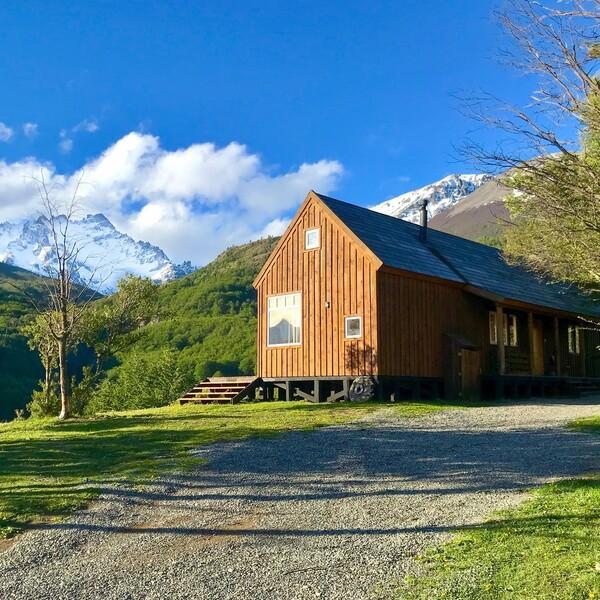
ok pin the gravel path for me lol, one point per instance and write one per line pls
(333, 513)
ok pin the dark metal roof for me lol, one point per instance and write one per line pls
(397, 244)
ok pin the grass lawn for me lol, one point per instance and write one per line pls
(548, 548)
(44, 462)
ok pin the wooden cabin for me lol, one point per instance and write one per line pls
(350, 292)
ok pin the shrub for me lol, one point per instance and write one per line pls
(142, 381)
(44, 404)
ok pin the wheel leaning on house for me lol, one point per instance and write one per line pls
(362, 389)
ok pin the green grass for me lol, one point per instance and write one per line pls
(587, 424)
(548, 548)
(48, 468)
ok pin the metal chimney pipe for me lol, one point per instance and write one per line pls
(423, 230)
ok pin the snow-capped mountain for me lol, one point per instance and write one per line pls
(105, 256)
(442, 195)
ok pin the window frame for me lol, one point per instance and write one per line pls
(493, 327)
(285, 344)
(307, 232)
(360, 321)
(573, 340)
(510, 322)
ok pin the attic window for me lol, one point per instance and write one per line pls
(353, 327)
(312, 239)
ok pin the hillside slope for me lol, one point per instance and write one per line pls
(19, 367)
(209, 317)
(481, 214)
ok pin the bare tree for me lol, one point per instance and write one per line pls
(69, 281)
(557, 44)
(549, 150)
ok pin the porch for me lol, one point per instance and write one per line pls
(496, 387)
(539, 345)
(532, 354)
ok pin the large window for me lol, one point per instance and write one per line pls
(573, 337)
(284, 314)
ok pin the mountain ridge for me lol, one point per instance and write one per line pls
(441, 195)
(107, 254)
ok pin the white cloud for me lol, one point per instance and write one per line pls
(6, 133)
(275, 227)
(87, 125)
(65, 145)
(30, 130)
(193, 202)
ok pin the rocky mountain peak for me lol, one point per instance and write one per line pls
(442, 195)
(107, 254)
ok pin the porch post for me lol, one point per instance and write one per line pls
(530, 334)
(501, 340)
(556, 346)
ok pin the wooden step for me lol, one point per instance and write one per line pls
(220, 390)
(209, 388)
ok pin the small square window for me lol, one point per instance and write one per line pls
(353, 327)
(312, 239)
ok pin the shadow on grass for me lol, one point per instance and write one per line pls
(55, 468)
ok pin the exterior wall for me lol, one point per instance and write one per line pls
(340, 273)
(573, 364)
(591, 351)
(414, 316)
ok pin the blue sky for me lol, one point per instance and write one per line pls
(362, 94)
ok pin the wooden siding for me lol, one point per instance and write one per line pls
(414, 316)
(340, 273)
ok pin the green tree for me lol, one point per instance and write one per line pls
(40, 338)
(111, 325)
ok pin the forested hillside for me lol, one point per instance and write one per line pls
(208, 319)
(19, 367)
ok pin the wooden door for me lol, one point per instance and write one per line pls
(537, 348)
(470, 371)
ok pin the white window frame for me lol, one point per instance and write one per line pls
(299, 342)
(353, 337)
(511, 325)
(307, 233)
(506, 329)
(493, 327)
(573, 337)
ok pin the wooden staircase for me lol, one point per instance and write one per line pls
(221, 390)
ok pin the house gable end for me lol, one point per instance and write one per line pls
(313, 199)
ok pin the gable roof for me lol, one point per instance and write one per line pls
(398, 245)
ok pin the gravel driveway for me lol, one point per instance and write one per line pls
(333, 513)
